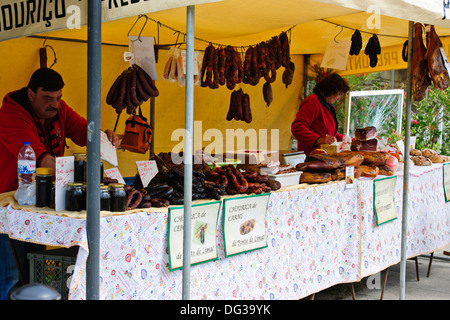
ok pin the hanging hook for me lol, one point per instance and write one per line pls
(142, 29)
(342, 29)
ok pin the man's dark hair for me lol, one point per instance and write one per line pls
(331, 84)
(47, 79)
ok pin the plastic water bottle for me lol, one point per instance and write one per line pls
(26, 171)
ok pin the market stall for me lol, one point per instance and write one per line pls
(292, 99)
(317, 236)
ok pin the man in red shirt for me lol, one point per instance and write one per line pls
(37, 114)
(315, 122)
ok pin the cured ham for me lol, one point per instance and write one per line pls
(436, 66)
(420, 77)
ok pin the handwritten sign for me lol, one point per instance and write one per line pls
(147, 170)
(244, 223)
(203, 234)
(144, 54)
(383, 199)
(446, 179)
(114, 173)
(64, 173)
(336, 55)
(107, 150)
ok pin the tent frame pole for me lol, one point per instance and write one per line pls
(93, 149)
(406, 163)
(188, 144)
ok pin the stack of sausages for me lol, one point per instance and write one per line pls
(130, 89)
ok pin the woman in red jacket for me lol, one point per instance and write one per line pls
(316, 122)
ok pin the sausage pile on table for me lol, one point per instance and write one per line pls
(167, 187)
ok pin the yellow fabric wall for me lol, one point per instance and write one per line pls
(20, 57)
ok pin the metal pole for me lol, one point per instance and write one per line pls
(189, 121)
(93, 149)
(406, 164)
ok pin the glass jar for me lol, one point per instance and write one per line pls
(44, 180)
(105, 203)
(118, 196)
(52, 196)
(80, 167)
(74, 196)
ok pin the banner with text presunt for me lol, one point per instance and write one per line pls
(203, 234)
(383, 199)
(244, 223)
(28, 17)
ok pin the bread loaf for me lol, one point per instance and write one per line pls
(386, 171)
(315, 177)
(415, 152)
(369, 171)
(421, 161)
(428, 153)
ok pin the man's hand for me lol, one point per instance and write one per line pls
(112, 137)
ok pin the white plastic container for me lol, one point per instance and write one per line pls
(287, 179)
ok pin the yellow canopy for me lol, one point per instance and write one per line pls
(229, 22)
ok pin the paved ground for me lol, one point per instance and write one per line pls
(434, 287)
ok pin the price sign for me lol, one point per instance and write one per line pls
(107, 150)
(147, 170)
(64, 173)
(114, 173)
(383, 199)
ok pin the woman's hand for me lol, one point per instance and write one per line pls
(326, 140)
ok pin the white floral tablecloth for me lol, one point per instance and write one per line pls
(318, 236)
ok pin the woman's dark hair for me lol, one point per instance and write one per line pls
(331, 84)
(47, 79)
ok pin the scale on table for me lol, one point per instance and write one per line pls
(293, 158)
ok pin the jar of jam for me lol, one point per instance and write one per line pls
(74, 196)
(118, 196)
(52, 196)
(105, 203)
(80, 167)
(85, 174)
(44, 181)
(83, 196)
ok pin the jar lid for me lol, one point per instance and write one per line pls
(104, 186)
(75, 184)
(44, 171)
(79, 155)
(116, 185)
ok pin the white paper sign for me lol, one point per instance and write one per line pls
(244, 223)
(203, 234)
(64, 173)
(383, 199)
(336, 55)
(107, 150)
(147, 170)
(144, 54)
(114, 173)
